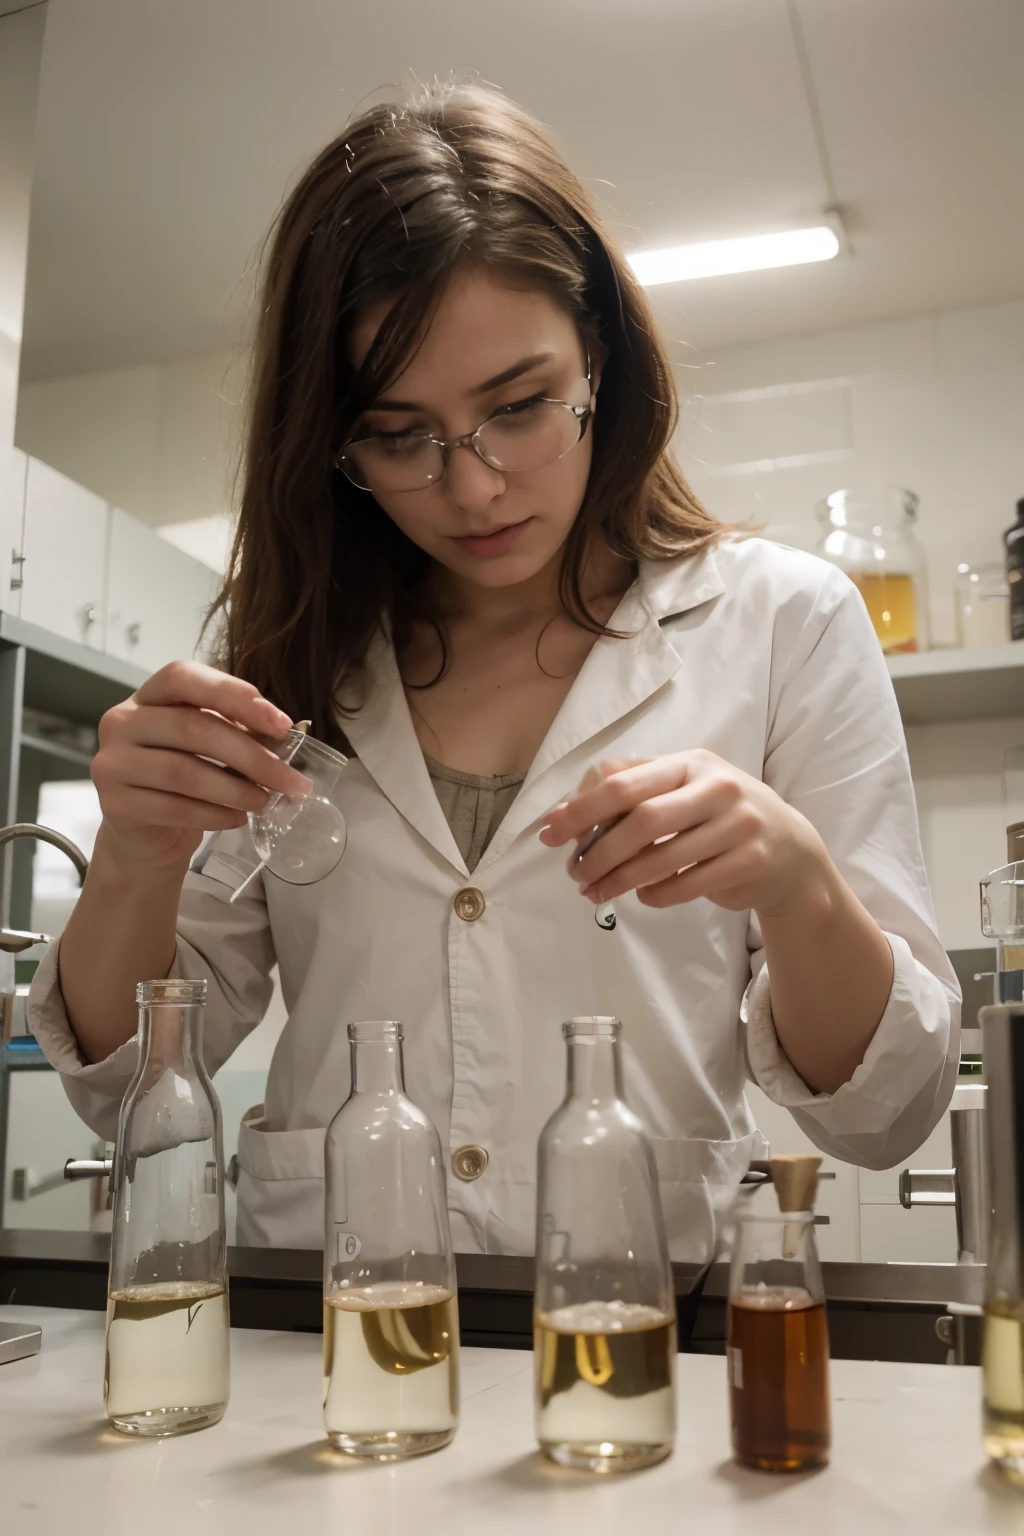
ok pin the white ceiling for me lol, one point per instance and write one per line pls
(169, 129)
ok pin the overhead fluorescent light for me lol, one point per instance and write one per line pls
(718, 258)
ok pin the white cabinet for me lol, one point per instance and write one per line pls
(16, 528)
(65, 549)
(157, 596)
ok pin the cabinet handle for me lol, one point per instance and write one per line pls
(87, 614)
(133, 633)
(16, 581)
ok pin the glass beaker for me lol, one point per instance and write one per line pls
(391, 1325)
(604, 1309)
(777, 1344)
(871, 537)
(301, 839)
(167, 1309)
(982, 599)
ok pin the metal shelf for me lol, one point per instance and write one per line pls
(959, 685)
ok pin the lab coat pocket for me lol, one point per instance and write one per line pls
(698, 1180)
(280, 1186)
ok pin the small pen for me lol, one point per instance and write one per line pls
(604, 916)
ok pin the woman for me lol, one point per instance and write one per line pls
(466, 554)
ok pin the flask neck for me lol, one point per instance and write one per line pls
(171, 1036)
(377, 1066)
(594, 1071)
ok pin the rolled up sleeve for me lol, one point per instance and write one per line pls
(836, 752)
(230, 947)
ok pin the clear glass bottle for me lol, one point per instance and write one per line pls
(871, 537)
(1002, 1350)
(167, 1368)
(391, 1326)
(604, 1309)
(777, 1343)
(982, 602)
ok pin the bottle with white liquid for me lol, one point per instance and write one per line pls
(167, 1368)
(391, 1327)
(604, 1310)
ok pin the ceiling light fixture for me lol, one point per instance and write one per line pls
(719, 258)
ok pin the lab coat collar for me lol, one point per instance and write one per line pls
(618, 676)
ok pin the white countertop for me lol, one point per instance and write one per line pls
(907, 1457)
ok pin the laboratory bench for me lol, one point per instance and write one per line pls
(907, 1457)
(876, 1311)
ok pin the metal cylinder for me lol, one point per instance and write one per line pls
(1002, 1028)
(972, 1184)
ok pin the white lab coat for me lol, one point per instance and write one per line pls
(761, 654)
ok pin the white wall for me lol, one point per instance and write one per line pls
(935, 404)
(21, 48)
(159, 441)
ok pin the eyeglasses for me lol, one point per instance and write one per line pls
(527, 435)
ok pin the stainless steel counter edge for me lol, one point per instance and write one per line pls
(921, 1284)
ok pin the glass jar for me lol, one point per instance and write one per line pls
(871, 537)
(604, 1309)
(777, 1344)
(982, 597)
(167, 1368)
(391, 1325)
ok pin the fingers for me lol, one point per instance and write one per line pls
(716, 879)
(202, 734)
(661, 860)
(155, 808)
(617, 793)
(189, 682)
(713, 801)
(179, 774)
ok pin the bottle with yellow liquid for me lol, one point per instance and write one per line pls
(167, 1361)
(604, 1310)
(871, 537)
(391, 1326)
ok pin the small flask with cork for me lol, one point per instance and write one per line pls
(777, 1334)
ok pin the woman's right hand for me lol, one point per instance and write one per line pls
(157, 794)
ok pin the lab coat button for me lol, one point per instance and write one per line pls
(468, 1163)
(469, 905)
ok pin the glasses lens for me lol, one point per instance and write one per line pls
(399, 463)
(529, 438)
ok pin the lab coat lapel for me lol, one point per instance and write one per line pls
(618, 677)
(383, 738)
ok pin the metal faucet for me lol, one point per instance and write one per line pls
(14, 940)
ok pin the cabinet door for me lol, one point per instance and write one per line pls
(65, 549)
(157, 596)
(16, 527)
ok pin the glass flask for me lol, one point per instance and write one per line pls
(167, 1299)
(777, 1343)
(604, 1310)
(301, 839)
(391, 1324)
(871, 537)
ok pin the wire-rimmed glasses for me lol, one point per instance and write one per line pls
(528, 434)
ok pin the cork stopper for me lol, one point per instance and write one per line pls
(795, 1176)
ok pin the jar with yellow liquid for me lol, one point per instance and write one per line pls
(871, 537)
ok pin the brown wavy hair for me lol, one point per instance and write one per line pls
(410, 192)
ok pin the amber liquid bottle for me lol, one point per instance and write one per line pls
(777, 1344)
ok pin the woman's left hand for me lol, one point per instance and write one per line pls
(691, 825)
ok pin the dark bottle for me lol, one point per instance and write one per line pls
(1013, 538)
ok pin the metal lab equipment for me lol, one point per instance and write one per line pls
(965, 1186)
